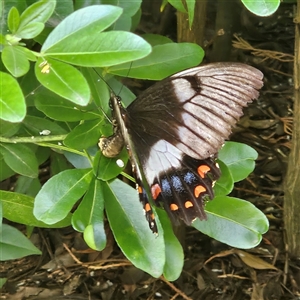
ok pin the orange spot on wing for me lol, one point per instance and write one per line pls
(139, 189)
(198, 190)
(147, 207)
(202, 170)
(188, 204)
(155, 191)
(174, 206)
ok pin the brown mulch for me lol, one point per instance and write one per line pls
(68, 269)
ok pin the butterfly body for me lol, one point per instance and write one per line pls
(174, 130)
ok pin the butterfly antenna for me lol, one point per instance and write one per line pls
(111, 91)
(129, 69)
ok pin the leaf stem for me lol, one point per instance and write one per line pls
(32, 139)
(43, 141)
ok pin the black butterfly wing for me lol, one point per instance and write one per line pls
(195, 109)
(178, 183)
(176, 127)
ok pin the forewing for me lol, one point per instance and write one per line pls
(194, 110)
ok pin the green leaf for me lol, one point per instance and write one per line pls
(27, 186)
(191, 11)
(12, 102)
(160, 64)
(5, 170)
(14, 244)
(60, 109)
(64, 80)
(58, 163)
(19, 208)
(42, 154)
(98, 86)
(62, 10)
(89, 215)
(105, 49)
(131, 231)
(1, 213)
(15, 60)
(178, 5)
(233, 221)
(36, 126)
(156, 39)
(37, 12)
(5, 9)
(20, 158)
(225, 183)
(109, 168)
(84, 135)
(129, 7)
(30, 30)
(78, 161)
(2, 282)
(86, 22)
(59, 194)
(239, 158)
(13, 19)
(262, 8)
(174, 252)
(124, 93)
(8, 129)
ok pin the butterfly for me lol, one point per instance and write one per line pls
(174, 130)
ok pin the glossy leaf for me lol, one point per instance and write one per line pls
(174, 252)
(20, 158)
(5, 170)
(15, 60)
(64, 80)
(127, 221)
(262, 8)
(239, 158)
(59, 163)
(113, 47)
(27, 186)
(88, 21)
(129, 7)
(37, 12)
(156, 39)
(37, 126)
(178, 5)
(89, 215)
(160, 64)
(8, 129)
(30, 30)
(99, 88)
(78, 161)
(85, 135)
(12, 102)
(14, 244)
(60, 109)
(2, 282)
(109, 168)
(5, 9)
(191, 11)
(225, 183)
(13, 19)
(59, 194)
(19, 208)
(233, 221)
(81, 43)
